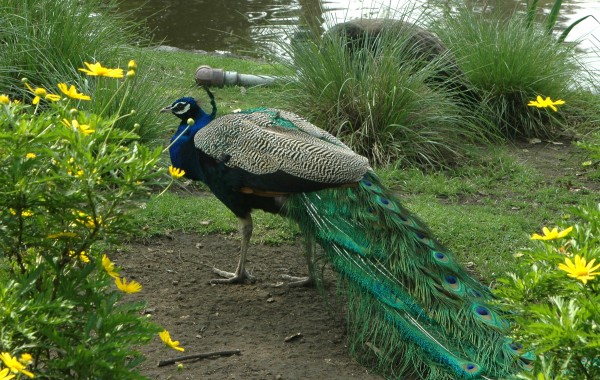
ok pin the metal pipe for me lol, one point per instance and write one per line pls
(207, 76)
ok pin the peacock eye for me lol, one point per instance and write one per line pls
(181, 108)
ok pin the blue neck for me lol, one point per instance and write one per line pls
(184, 154)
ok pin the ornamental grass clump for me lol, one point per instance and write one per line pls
(554, 297)
(511, 59)
(381, 97)
(69, 181)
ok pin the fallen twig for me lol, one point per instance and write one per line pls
(292, 337)
(163, 363)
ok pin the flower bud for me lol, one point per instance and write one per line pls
(132, 112)
(24, 80)
(130, 73)
(132, 65)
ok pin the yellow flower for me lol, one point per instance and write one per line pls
(130, 73)
(30, 155)
(543, 103)
(85, 219)
(4, 375)
(579, 269)
(551, 235)
(14, 365)
(175, 172)
(53, 97)
(40, 93)
(24, 213)
(4, 99)
(96, 69)
(61, 235)
(83, 128)
(71, 92)
(82, 256)
(131, 287)
(166, 338)
(26, 358)
(132, 65)
(109, 267)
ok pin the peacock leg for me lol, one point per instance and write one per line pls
(309, 254)
(240, 275)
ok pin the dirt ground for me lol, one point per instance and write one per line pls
(253, 318)
(259, 319)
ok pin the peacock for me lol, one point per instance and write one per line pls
(413, 311)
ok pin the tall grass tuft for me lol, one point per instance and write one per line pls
(379, 98)
(47, 40)
(511, 60)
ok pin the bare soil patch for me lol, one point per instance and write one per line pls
(254, 318)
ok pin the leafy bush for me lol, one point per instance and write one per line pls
(554, 296)
(68, 181)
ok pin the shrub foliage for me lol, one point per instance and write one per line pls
(68, 180)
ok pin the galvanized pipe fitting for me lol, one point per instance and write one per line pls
(207, 76)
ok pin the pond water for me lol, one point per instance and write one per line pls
(244, 26)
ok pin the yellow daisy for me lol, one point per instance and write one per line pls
(175, 172)
(543, 103)
(128, 287)
(580, 269)
(5, 376)
(71, 92)
(96, 69)
(109, 267)
(14, 364)
(551, 235)
(82, 128)
(166, 338)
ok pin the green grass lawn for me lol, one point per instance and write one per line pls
(484, 210)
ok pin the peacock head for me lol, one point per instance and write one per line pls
(185, 108)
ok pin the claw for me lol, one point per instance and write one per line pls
(232, 278)
(298, 281)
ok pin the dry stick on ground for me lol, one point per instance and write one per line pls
(198, 356)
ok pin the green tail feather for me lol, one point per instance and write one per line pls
(412, 309)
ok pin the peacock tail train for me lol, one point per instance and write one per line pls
(411, 308)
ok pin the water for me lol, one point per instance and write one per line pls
(248, 26)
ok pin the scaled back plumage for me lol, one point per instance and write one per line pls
(412, 309)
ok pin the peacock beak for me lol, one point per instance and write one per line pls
(166, 109)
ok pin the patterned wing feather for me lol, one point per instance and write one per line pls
(269, 141)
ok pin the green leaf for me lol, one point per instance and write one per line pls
(566, 32)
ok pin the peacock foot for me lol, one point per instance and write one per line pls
(298, 281)
(232, 278)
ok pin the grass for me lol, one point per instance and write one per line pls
(46, 41)
(510, 61)
(386, 104)
(204, 214)
(484, 209)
